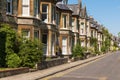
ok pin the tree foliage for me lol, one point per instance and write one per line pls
(107, 42)
(13, 61)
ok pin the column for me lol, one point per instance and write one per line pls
(49, 43)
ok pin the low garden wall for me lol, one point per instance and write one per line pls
(11, 72)
(51, 63)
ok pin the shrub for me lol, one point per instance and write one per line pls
(77, 51)
(7, 41)
(91, 50)
(13, 60)
(30, 53)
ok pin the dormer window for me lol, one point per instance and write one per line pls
(9, 6)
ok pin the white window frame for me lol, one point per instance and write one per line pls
(82, 31)
(9, 1)
(64, 45)
(57, 18)
(25, 8)
(53, 14)
(82, 43)
(28, 36)
(36, 7)
(47, 13)
(82, 28)
(64, 21)
(36, 31)
(73, 24)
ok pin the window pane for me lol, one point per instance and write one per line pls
(44, 17)
(25, 7)
(64, 21)
(64, 45)
(25, 11)
(36, 34)
(25, 2)
(44, 7)
(36, 8)
(26, 33)
(73, 22)
(44, 38)
(8, 7)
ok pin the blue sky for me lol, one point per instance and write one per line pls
(106, 12)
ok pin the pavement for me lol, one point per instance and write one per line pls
(37, 75)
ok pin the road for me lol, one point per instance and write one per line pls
(107, 68)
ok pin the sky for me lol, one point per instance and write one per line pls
(106, 12)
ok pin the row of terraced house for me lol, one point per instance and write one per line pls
(54, 22)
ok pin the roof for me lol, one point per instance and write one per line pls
(99, 28)
(63, 6)
(74, 8)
